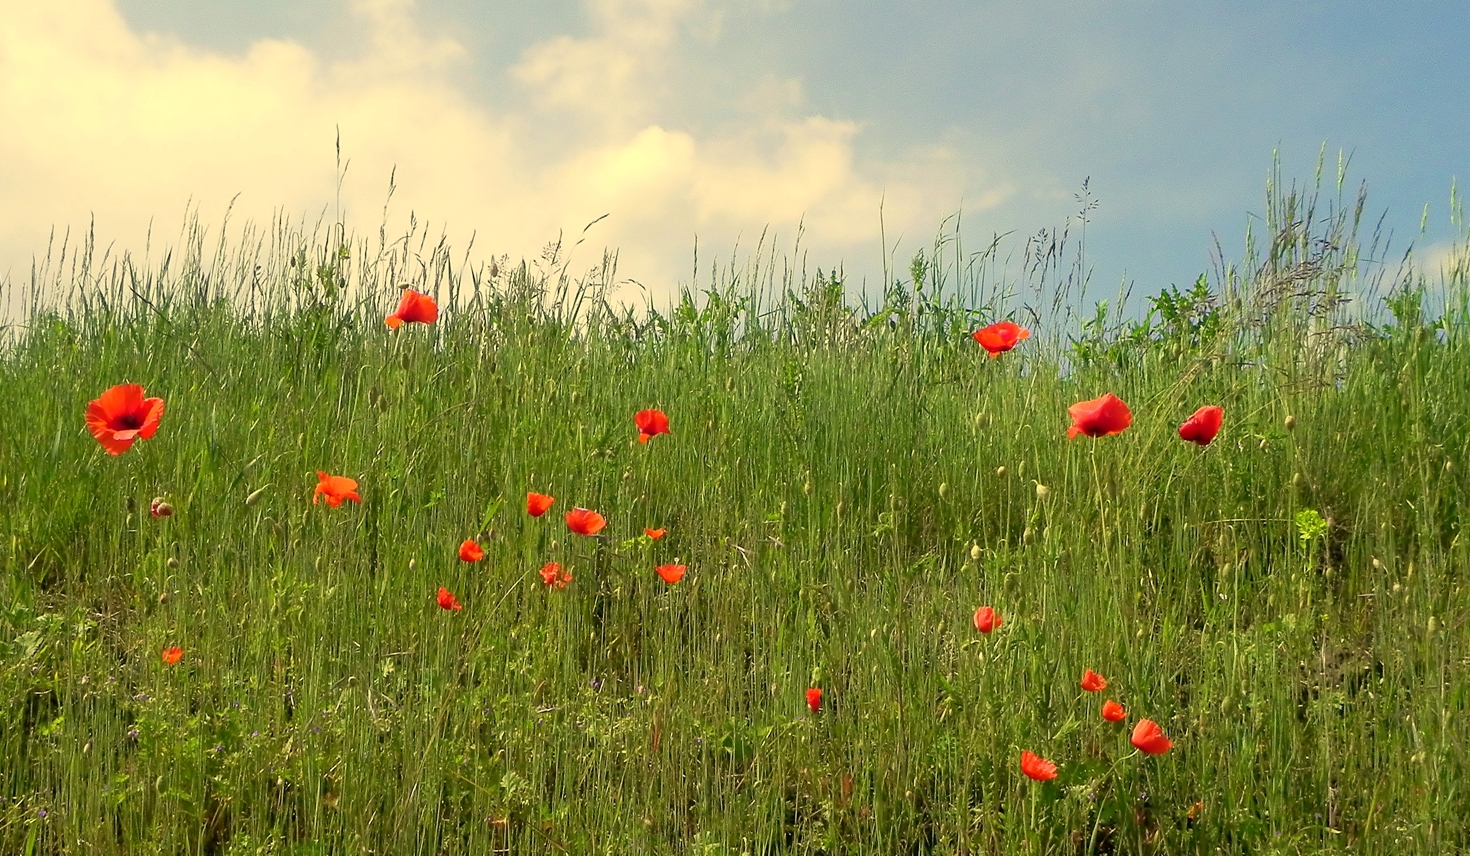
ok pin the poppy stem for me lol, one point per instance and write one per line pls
(1102, 514)
(1097, 813)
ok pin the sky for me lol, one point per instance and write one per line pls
(713, 121)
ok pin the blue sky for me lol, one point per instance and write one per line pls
(717, 118)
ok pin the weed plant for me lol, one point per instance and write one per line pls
(845, 483)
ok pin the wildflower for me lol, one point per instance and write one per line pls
(1000, 337)
(814, 699)
(447, 600)
(537, 504)
(1099, 417)
(1150, 738)
(986, 619)
(414, 307)
(655, 534)
(671, 573)
(469, 551)
(1112, 711)
(554, 576)
(1036, 767)
(121, 415)
(159, 507)
(1202, 427)
(172, 655)
(584, 522)
(1093, 682)
(335, 489)
(650, 422)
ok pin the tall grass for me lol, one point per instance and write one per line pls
(846, 485)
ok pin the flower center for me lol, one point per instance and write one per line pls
(130, 422)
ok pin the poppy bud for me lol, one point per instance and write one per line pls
(160, 507)
(943, 489)
(172, 562)
(1433, 624)
(1000, 472)
(1028, 535)
(1290, 423)
(255, 495)
(975, 552)
(1042, 491)
(982, 419)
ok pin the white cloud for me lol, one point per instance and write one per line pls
(102, 121)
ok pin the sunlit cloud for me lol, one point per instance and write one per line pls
(125, 127)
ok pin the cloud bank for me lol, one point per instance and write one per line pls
(106, 123)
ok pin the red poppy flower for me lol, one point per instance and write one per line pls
(414, 307)
(584, 522)
(986, 619)
(814, 699)
(1001, 337)
(1036, 767)
(655, 534)
(554, 576)
(1099, 417)
(1202, 427)
(1113, 712)
(1150, 738)
(159, 507)
(1093, 682)
(671, 573)
(335, 489)
(447, 600)
(537, 504)
(469, 551)
(650, 422)
(172, 655)
(121, 415)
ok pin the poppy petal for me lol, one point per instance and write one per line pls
(1148, 737)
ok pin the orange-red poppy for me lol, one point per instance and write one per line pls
(538, 504)
(469, 551)
(1093, 682)
(655, 534)
(447, 600)
(159, 507)
(1001, 337)
(584, 522)
(650, 422)
(671, 573)
(1202, 427)
(1150, 738)
(1099, 417)
(986, 619)
(1113, 712)
(336, 489)
(554, 576)
(814, 699)
(414, 307)
(1037, 767)
(172, 655)
(121, 415)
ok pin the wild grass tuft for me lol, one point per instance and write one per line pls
(845, 483)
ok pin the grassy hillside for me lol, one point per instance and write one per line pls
(845, 485)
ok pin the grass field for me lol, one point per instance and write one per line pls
(845, 485)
